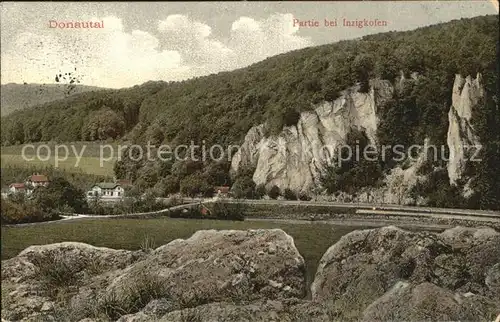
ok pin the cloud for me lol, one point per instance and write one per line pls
(255, 40)
(180, 48)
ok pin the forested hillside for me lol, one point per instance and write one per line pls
(20, 96)
(221, 108)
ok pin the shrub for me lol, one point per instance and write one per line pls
(260, 191)
(195, 185)
(274, 192)
(228, 211)
(243, 188)
(17, 213)
(304, 197)
(216, 210)
(289, 194)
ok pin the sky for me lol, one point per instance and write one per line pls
(143, 41)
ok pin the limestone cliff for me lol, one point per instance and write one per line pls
(295, 158)
(462, 140)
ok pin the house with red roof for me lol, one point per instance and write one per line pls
(38, 180)
(31, 183)
(17, 188)
(222, 191)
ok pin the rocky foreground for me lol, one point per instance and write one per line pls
(258, 275)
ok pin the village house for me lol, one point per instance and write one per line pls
(222, 191)
(106, 191)
(31, 183)
(17, 188)
(37, 180)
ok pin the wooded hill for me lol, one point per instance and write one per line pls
(221, 108)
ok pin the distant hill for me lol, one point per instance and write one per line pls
(20, 96)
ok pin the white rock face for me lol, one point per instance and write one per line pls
(462, 139)
(296, 157)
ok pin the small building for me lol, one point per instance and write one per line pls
(222, 191)
(106, 191)
(17, 188)
(38, 180)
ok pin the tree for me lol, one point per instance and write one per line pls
(243, 188)
(260, 191)
(363, 66)
(195, 185)
(59, 194)
(102, 125)
(217, 173)
(350, 171)
(288, 194)
(274, 192)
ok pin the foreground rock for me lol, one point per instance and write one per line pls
(72, 281)
(391, 274)
(260, 311)
(385, 274)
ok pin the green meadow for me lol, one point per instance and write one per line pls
(311, 239)
(80, 157)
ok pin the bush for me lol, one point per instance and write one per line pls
(304, 197)
(289, 194)
(228, 211)
(243, 188)
(274, 192)
(195, 185)
(260, 191)
(18, 213)
(216, 210)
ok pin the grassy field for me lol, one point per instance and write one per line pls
(86, 165)
(89, 162)
(311, 239)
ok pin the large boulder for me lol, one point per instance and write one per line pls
(260, 311)
(220, 265)
(101, 283)
(368, 270)
(426, 301)
(32, 280)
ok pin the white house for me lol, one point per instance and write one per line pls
(18, 188)
(106, 191)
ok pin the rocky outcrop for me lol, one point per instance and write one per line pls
(462, 139)
(385, 274)
(261, 311)
(296, 157)
(32, 280)
(211, 266)
(392, 274)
